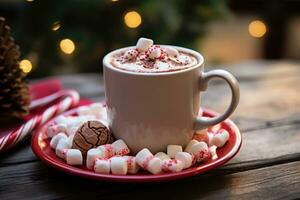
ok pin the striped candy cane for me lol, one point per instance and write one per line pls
(71, 99)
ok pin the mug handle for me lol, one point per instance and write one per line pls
(201, 122)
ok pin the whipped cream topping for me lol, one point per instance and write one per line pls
(147, 57)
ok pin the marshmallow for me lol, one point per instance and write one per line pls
(143, 157)
(189, 146)
(215, 128)
(54, 141)
(173, 149)
(172, 52)
(201, 136)
(185, 158)
(72, 130)
(143, 44)
(147, 161)
(154, 53)
(83, 110)
(161, 65)
(107, 150)
(98, 107)
(132, 166)
(61, 119)
(154, 166)
(70, 139)
(56, 128)
(91, 156)
(131, 53)
(102, 166)
(118, 165)
(162, 156)
(200, 151)
(62, 145)
(73, 157)
(120, 148)
(172, 165)
(220, 138)
(213, 152)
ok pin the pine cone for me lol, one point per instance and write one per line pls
(14, 91)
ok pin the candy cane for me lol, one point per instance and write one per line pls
(71, 99)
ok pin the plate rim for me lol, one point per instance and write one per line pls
(137, 178)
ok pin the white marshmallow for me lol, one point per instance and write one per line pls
(155, 53)
(102, 166)
(62, 145)
(54, 141)
(118, 165)
(162, 156)
(143, 44)
(132, 166)
(131, 53)
(143, 157)
(155, 166)
(56, 128)
(189, 145)
(70, 140)
(172, 165)
(120, 148)
(220, 138)
(201, 136)
(172, 52)
(215, 128)
(200, 151)
(73, 157)
(107, 150)
(210, 136)
(72, 130)
(213, 152)
(96, 107)
(185, 158)
(91, 156)
(161, 65)
(61, 119)
(173, 149)
(83, 110)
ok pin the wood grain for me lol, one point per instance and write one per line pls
(36, 181)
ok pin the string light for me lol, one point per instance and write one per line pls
(30, 0)
(67, 46)
(114, 0)
(55, 26)
(257, 28)
(132, 19)
(25, 65)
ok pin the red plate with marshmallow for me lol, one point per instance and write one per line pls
(41, 147)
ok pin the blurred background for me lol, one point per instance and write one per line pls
(72, 36)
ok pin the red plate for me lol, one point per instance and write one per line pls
(41, 147)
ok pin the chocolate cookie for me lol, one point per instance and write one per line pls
(91, 134)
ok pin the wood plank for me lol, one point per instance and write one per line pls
(35, 181)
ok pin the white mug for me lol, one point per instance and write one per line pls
(153, 110)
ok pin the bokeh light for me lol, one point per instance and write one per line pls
(257, 29)
(29, 0)
(67, 46)
(55, 26)
(25, 65)
(132, 19)
(114, 0)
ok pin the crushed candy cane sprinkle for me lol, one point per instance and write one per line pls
(150, 58)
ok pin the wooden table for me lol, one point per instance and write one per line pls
(267, 166)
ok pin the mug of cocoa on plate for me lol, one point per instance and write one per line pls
(153, 94)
